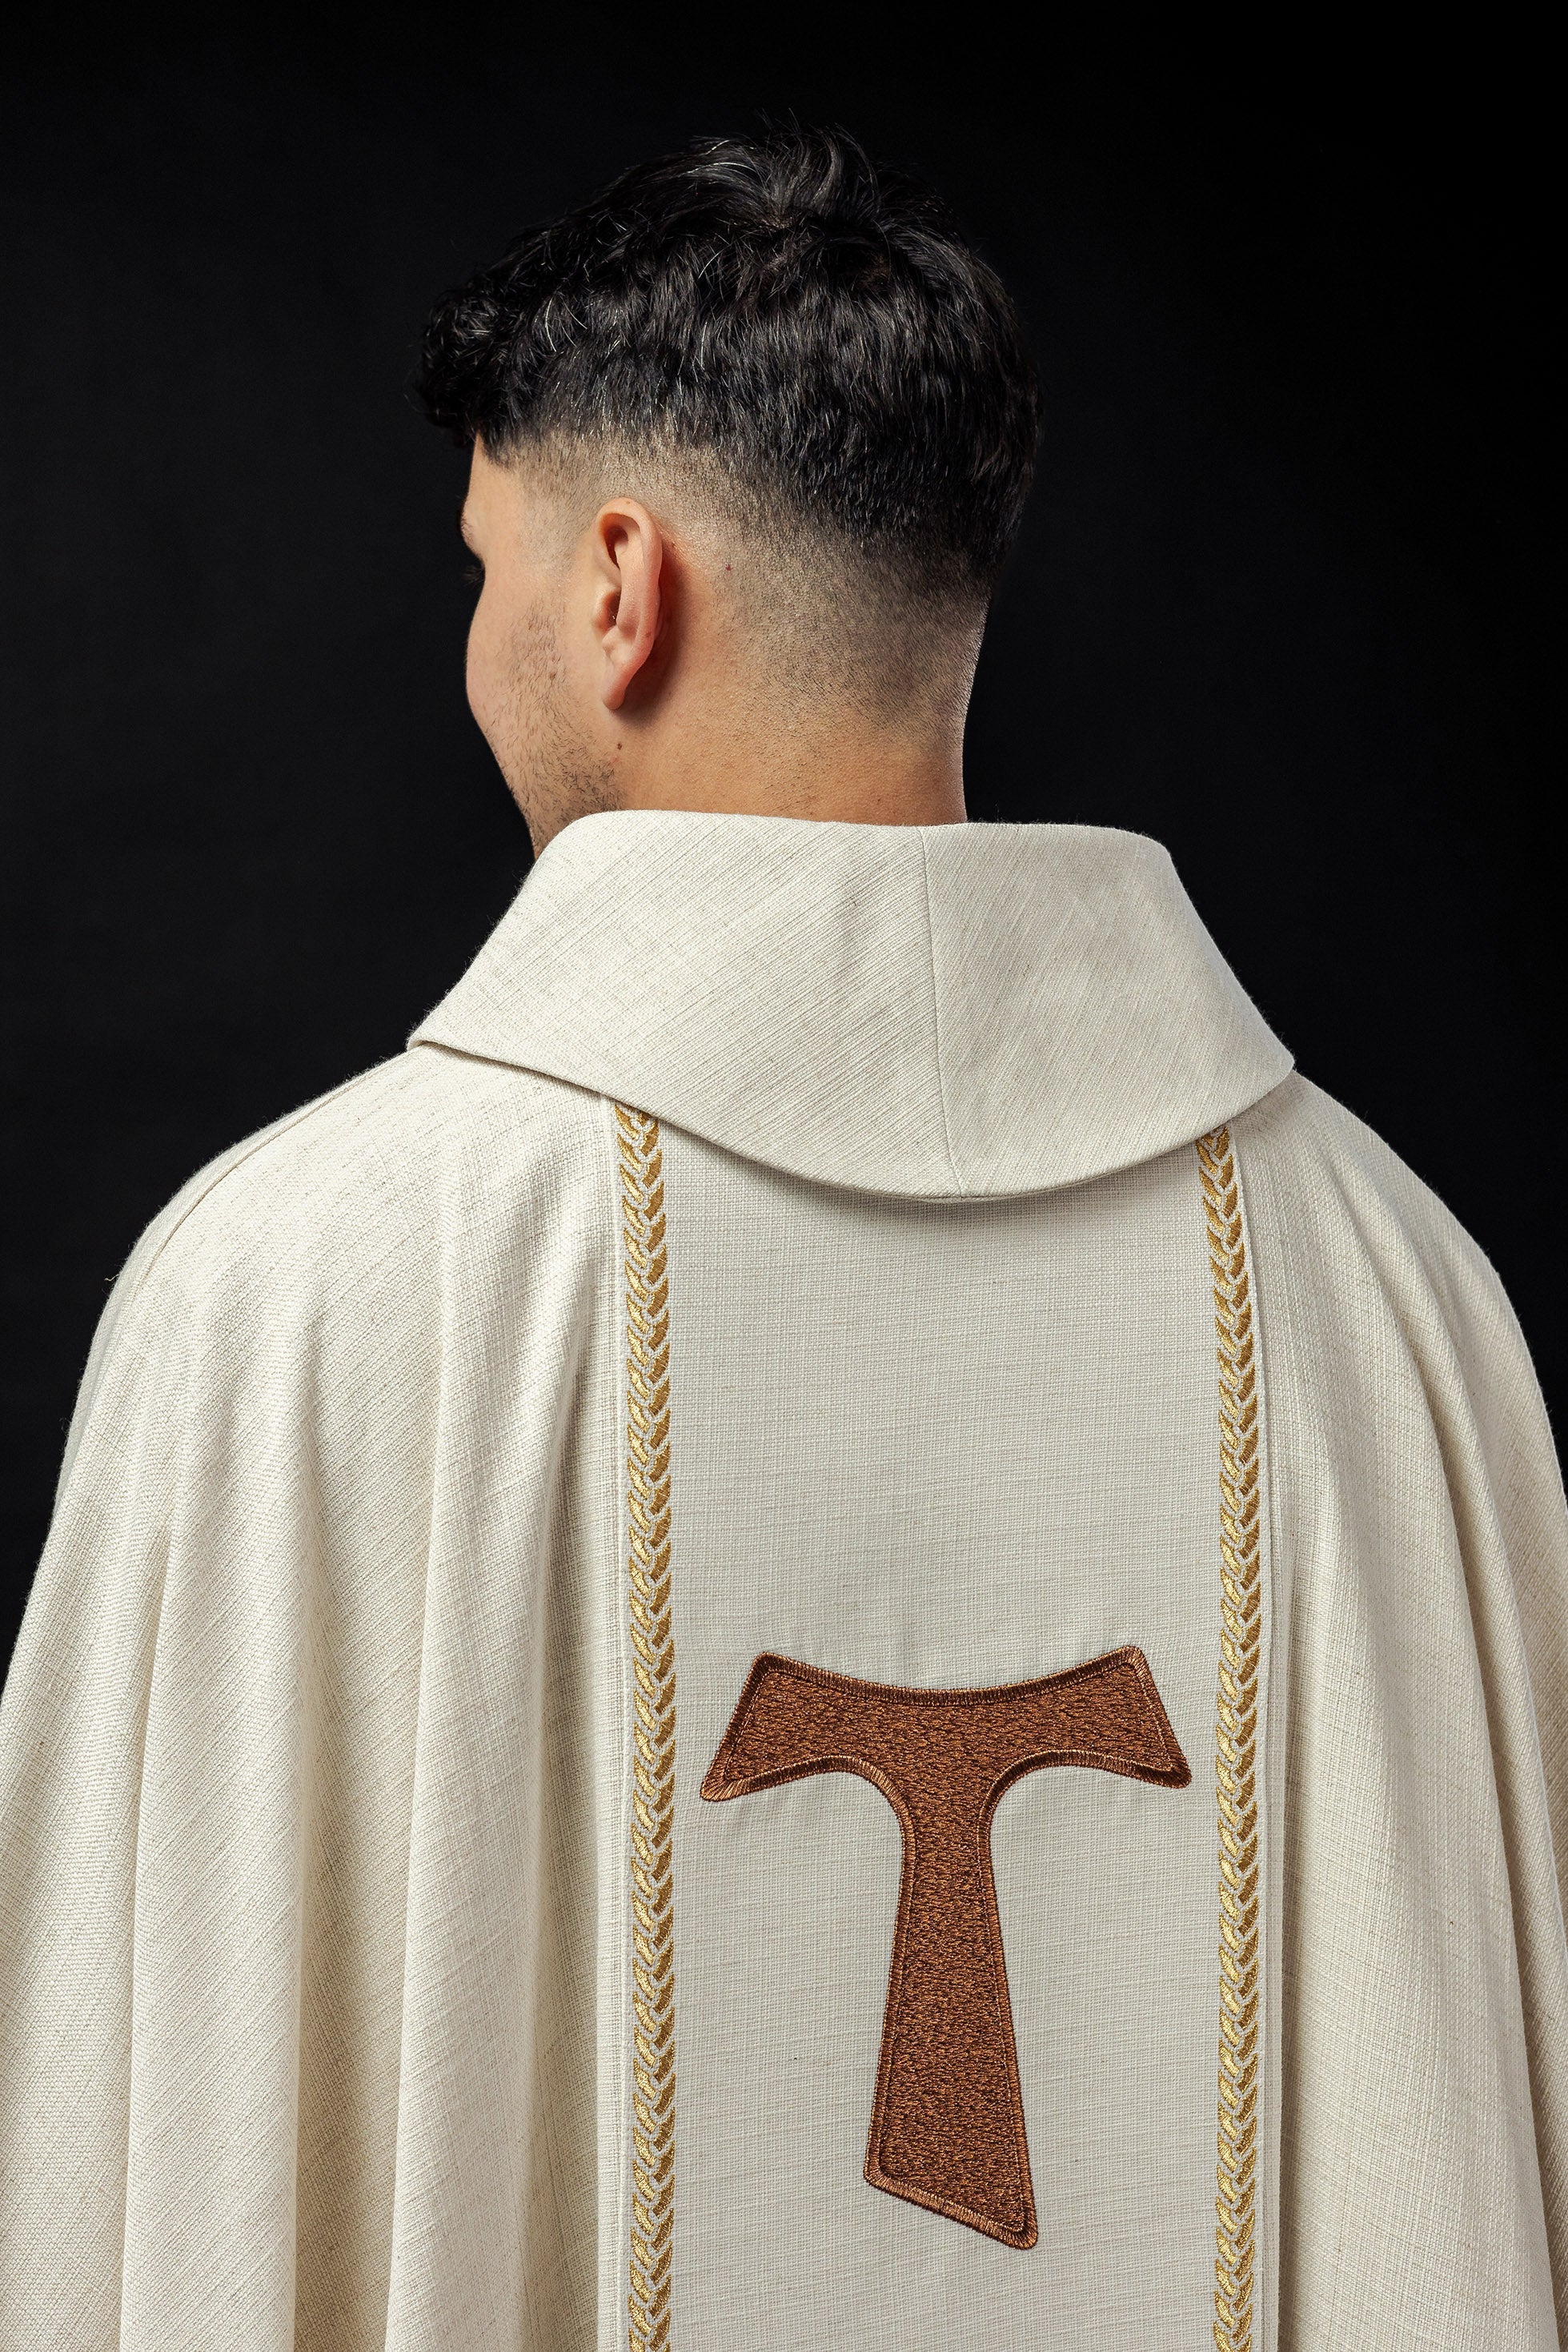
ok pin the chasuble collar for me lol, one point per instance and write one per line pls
(940, 1012)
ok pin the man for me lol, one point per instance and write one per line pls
(835, 1628)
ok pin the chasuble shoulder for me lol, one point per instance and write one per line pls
(834, 1628)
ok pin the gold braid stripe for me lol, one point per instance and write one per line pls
(1235, 1748)
(654, 1729)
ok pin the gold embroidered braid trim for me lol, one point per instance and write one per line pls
(654, 1729)
(1236, 1748)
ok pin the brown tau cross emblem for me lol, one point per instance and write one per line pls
(946, 2127)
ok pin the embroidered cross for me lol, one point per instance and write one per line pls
(947, 2126)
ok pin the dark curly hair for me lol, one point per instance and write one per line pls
(813, 324)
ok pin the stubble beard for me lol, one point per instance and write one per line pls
(553, 770)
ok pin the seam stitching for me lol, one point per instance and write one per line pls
(937, 1018)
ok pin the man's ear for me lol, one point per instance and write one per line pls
(631, 594)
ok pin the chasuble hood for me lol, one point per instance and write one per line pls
(937, 1012)
(836, 1628)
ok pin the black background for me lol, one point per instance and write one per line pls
(1283, 598)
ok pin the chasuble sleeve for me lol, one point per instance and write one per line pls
(1513, 1526)
(271, 1816)
(1511, 1531)
(1423, 1544)
(162, 1763)
(73, 1741)
(151, 1879)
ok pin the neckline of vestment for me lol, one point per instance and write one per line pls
(935, 1012)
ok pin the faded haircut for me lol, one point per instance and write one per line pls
(809, 328)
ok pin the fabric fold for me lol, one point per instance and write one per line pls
(824, 998)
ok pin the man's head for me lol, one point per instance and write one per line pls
(752, 432)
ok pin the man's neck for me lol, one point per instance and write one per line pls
(874, 777)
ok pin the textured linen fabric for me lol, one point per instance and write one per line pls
(315, 1996)
(961, 1011)
(916, 1341)
(1422, 1569)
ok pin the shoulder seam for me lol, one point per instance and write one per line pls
(240, 1154)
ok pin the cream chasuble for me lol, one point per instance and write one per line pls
(835, 1632)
